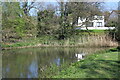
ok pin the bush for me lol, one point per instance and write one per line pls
(111, 24)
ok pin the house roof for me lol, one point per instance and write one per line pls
(116, 11)
(114, 14)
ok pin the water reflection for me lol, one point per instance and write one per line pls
(33, 68)
(40, 62)
(80, 56)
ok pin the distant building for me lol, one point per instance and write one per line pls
(112, 20)
(114, 15)
(97, 21)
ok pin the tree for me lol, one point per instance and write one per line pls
(118, 27)
(71, 11)
(27, 6)
(12, 13)
(16, 24)
(63, 18)
(47, 20)
(83, 10)
(106, 14)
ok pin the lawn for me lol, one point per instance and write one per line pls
(98, 65)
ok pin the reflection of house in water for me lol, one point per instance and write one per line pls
(79, 56)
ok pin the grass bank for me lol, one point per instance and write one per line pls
(98, 65)
(80, 39)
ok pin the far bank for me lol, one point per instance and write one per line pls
(95, 38)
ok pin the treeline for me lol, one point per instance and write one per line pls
(15, 23)
(21, 20)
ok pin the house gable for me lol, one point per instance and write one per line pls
(97, 21)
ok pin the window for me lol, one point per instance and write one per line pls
(99, 24)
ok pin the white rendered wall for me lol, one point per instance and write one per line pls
(80, 22)
(95, 24)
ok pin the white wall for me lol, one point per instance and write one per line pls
(95, 24)
(80, 22)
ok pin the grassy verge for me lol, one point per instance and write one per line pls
(101, 65)
(92, 32)
(80, 39)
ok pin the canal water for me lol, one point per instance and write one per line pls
(41, 62)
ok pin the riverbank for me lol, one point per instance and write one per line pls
(79, 40)
(20, 46)
(98, 65)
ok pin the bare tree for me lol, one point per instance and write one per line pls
(27, 6)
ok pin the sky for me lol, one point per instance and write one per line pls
(106, 6)
(109, 6)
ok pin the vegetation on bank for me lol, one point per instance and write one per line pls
(80, 39)
(99, 65)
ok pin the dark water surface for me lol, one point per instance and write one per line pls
(40, 62)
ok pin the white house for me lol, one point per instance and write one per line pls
(97, 21)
